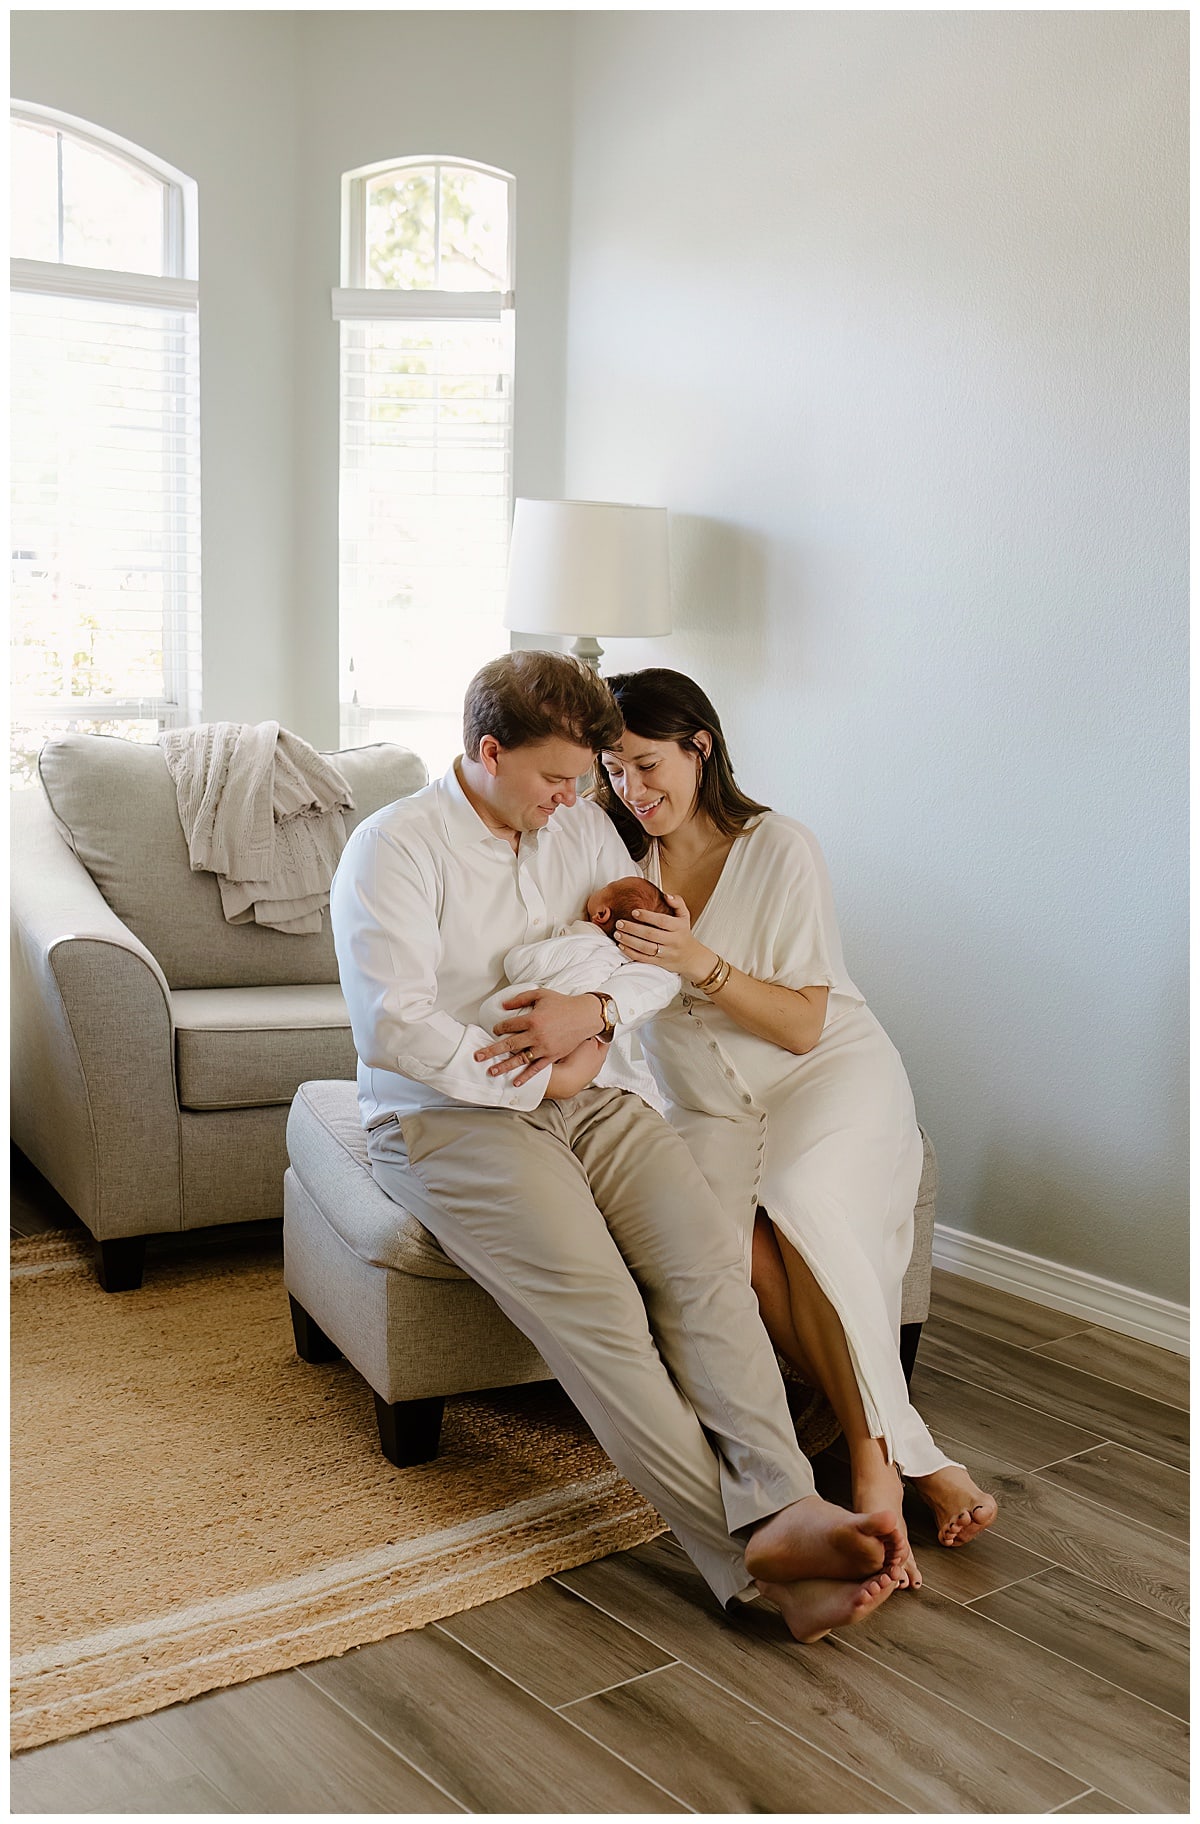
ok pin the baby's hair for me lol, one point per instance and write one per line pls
(638, 894)
(633, 893)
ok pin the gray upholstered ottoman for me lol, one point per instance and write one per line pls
(367, 1281)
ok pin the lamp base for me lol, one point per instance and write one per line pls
(589, 650)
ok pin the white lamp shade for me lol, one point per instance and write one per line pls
(588, 567)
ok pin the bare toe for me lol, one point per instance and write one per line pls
(960, 1509)
(972, 1521)
(950, 1529)
(813, 1607)
(871, 1594)
(885, 1526)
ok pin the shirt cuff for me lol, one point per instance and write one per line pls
(529, 1095)
(634, 1005)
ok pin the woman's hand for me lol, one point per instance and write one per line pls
(666, 939)
(575, 1072)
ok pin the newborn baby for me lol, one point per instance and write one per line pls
(579, 957)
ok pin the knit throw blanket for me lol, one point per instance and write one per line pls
(262, 810)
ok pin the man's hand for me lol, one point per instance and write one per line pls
(543, 1027)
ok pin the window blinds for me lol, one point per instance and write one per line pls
(105, 514)
(425, 504)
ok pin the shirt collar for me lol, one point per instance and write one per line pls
(464, 826)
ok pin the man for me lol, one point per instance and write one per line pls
(576, 1207)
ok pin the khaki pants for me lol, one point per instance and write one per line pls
(591, 1227)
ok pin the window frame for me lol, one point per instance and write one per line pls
(356, 301)
(181, 237)
(354, 242)
(177, 290)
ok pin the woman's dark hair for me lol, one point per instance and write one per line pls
(663, 705)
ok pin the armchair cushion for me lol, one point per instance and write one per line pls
(248, 1047)
(115, 804)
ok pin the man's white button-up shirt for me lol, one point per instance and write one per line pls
(426, 902)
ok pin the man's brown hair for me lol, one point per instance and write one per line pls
(539, 696)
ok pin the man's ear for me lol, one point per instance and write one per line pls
(489, 753)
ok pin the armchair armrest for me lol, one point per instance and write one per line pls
(93, 1070)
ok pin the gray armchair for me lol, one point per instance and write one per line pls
(156, 1048)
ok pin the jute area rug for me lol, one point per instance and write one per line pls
(192, 1506)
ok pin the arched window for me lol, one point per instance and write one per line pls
(105, 437)
(426, 313)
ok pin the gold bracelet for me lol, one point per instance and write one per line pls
(726, 972)
(716, 979)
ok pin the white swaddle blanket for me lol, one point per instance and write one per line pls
(263, 811)
(576, 959)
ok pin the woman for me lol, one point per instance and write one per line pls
(786, 1088)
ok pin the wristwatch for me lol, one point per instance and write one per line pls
(610, 1013)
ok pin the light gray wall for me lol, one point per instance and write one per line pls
(890, 311)
(488, 86)
(266, 111)
(215, 95)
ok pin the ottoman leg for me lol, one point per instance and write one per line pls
(910, 1338)
(409, 1430)
(312, 1345)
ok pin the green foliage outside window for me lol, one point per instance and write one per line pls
(402, 245)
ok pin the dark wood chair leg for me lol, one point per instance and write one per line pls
(312, 1344)
(910, 1338)
(120, 1263)
(409, 1430)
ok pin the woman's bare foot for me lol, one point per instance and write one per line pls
(959, 1506)
(876, 1483)
(813, 1538)
(813, 1607)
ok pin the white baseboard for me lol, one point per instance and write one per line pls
(1045, 1282)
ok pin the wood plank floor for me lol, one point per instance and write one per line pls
(1042, 1669)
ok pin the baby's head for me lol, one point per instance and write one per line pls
(620, 898)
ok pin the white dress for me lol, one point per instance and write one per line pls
(826, 1142)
